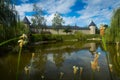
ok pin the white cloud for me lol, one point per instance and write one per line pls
(96, 10)
(50, 6)
(68, 20)
(99, 11)
(24, 1)
(49, 19)
(24, 8)
(60, 6)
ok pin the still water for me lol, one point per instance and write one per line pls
(56, 61)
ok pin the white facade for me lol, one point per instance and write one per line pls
(92, 29)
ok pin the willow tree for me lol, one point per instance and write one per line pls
(115, 26)
(8, 19)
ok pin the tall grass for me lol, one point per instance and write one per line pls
(5, 42)
(107, 56)
(18, 63)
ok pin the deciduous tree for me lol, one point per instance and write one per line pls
(38, 19)
(57, 22)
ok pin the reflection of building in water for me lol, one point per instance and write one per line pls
(92, 47)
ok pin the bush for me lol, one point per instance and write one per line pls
(45, 37)
(80, 36)
(93, 36)
(68, 37)
(57, 37)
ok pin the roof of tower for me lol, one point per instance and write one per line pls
(26, 21)
(92, 24)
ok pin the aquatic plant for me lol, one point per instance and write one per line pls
(110, 66)
(61, 75)
(33, 54)
(42, 77)
(7, 41)
(75, 69)
(26, 70)
(22, 41)
(81, 70)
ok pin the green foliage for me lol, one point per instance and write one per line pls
(80, 36)
(93, 36)
(45, 37)
(68, 37)
(108, 36)
(57, 37)
(50, 37)
(5, 42)
(57, 21)
(67, 29)
(114, 31)
(18, 63)
(38, 18)
(8, 20)
(104, 43)
(22, 28)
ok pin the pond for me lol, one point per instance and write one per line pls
(56, 61)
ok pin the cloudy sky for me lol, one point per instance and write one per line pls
(79, 12)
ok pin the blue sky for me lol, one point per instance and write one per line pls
(79, 12)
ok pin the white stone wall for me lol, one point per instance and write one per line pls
(61, 31)
(92, 30)
(85, 31)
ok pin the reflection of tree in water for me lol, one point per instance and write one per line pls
(38, 64)
(58, 59)
(114, 58)
(40, 61)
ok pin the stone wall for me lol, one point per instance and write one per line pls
(92, 30)
(61, 31)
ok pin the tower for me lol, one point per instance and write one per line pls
(26, 21)
(92, 27)
(26, 24)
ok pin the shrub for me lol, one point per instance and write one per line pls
(93, 36)
(45, 37)
(80, 36)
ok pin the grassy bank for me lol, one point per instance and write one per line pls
(51, 37)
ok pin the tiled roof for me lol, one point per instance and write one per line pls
(92, 24)
(63, 27)
(26, 21)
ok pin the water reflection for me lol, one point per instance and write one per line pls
(94, 63)
(56, 61)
